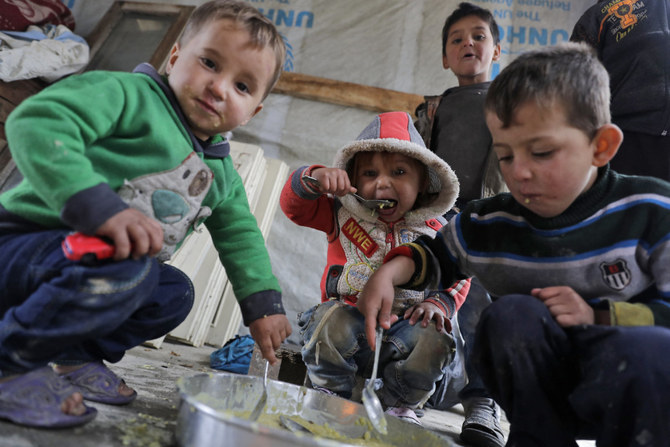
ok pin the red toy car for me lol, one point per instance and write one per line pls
(80, 247)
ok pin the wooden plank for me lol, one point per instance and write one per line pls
(160, 56)
(13, 93)
(9, 175)
(16, 91)
(103, 29)
(116, 13)
(346, 93)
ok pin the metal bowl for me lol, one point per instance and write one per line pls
(213, 408)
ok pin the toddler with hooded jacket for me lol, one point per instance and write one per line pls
(387, 161)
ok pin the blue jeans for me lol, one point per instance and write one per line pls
(608, 383)
(54, 309)
(335, 350)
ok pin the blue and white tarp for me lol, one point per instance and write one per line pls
(393, 44)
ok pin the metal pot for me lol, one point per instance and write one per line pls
(213, 407)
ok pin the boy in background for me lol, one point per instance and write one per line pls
(453, 126)
(387, 161)
(77, 143)
(573, 348)
(632, 39)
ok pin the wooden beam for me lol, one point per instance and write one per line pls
(346, 93)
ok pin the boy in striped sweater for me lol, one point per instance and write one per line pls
(576, 254)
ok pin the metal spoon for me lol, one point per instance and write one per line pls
(264, 397)
(370, 400)
(349, 431)
(294, 426)
(373, 204)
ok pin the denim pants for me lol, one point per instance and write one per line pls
(335, 349)
(54, 309)
(608, 383)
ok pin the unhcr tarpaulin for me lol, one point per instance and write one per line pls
(391, 44)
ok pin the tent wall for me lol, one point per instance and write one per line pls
(391, 44)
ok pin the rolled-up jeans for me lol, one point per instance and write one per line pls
(335, 350)
(52, 308)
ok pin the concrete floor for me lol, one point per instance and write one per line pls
(150, 421)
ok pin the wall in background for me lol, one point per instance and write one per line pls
(393, 44)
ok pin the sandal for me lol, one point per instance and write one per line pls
(34, 399)
(98, 383)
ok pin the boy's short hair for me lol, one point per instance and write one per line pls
(569, 74)
(262, 30)
(466, 9)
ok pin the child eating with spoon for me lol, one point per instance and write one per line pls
(387, 161)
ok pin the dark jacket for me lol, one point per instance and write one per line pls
(632, 38)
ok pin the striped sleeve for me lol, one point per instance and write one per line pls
(418, 255)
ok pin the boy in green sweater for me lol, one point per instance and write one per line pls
(578, 255)
(136, 158)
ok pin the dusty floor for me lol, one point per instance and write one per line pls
(150, 421)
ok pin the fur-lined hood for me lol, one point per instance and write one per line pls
(395, 132)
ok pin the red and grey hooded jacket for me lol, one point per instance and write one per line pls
(357, 239)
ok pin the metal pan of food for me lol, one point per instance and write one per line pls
(214, 411)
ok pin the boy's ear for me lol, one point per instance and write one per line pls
(172, 58)
(254, 113)
(445, 62)
(606, 144)
(496, 52)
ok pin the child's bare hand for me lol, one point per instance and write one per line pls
(376, 299)
(333, 181)
(425, 312)
(133, 233)
(566, 305)
(268, 333)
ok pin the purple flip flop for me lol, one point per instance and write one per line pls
(34, 399)
(98, 383)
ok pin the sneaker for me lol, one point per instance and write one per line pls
(324, 390)
(406, 414)
(481, 427)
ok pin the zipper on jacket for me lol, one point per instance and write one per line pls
(389, 234)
